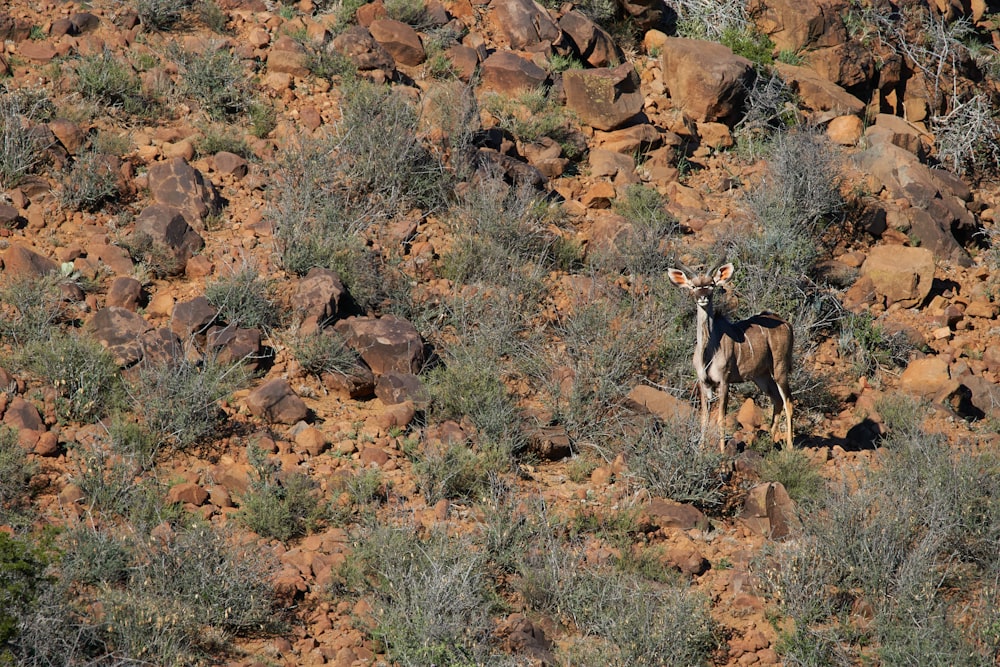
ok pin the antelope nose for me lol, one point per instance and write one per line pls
(702, 300)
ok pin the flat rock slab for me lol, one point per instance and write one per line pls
(275, 402)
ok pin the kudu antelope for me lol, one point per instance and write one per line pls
(758, 349)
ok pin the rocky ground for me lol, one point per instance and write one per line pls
(909, 249)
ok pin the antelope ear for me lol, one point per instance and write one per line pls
(723, 274)
(678, 278)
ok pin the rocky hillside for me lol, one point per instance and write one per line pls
(340, 333)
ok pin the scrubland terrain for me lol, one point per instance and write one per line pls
(340, 333)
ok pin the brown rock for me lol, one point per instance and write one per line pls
(358, 46)
(69, 134)
(311, 441)
(794, 26)
(400, 40)
(845, 130)
(47, 444)
(170, 232)
(274, 401)
(604, 98)
(900, 274)
(40, 52)
(819, 93)
(287, 56)
(124, 293)
(187, 493)
(386, 344)
(318, 295)
(510, 74)
(19, 260)
(594, 45)
(927, 378)
(705, 79)
(394, 387)
(523, 23)
(176, 184)
(769, 511)
(232, 164)
(119, 331)
(193, 317)
(22, 415)
(396, 416)
(665, 513)
(658, 402)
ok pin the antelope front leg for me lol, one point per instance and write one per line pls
(705, 410)
(723, 400)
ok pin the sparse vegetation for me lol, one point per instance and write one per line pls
(84, 375)
(279, 506)
(180, 401)
(244, 298)
(15, 477)
(143, 509)
(21, 150)
(672, 462)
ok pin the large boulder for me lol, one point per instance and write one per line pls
(900, 274)
(171, 234)
(318, 295)
(177, 184)
(769, 511)
(594, 45)
(386, 343)
(934, 208)
(794, 25)
(358, 46)
(510, 74)
(604, 98)
(819, 93)
(19, 260)
(523, 23)
(706, 80)
(119, 330)
(400, 40)
(275, 402)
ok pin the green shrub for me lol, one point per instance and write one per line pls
(910, 539)
(412, 12)
(641, 250)
(432, 599)
(870, 348)
(186, 594)
(213, 16)
(160, 14)
(105, 79)
(244, 299)
(501, 237)
(178, 401)
(469, 385)
(531, 116)
(749, 43)
(216, 139)
(30, 306)
(15, 477)
(325, 351)
(795, 472)
(451, 470)
(21, 149)
(152, 255)
(21, 575)
(672, 461)
(83, 372)
(624, 620)
(607, 342)
(276, 505)
(215, 79)
(90, 183)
